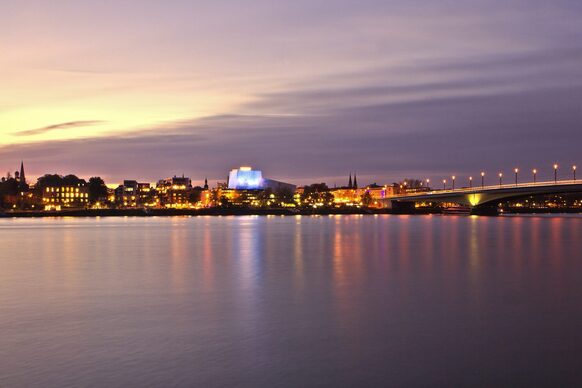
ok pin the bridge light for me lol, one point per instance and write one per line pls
(444, 184)
(555, 173)
(482, 179)
(453, 177)
(470, 182)
(516, 171)
(574, 171)
(535, 173)
(500, 178)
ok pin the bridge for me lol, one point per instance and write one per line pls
(483, 199)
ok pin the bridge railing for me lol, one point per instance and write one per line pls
(477, 189)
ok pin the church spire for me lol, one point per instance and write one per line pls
(355, 181)
(350, 181)
(22, 186)
(22, 176)
(205, 183)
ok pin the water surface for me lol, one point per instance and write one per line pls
(291, 301)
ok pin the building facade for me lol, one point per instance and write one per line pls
(65, 196)
(174, 192)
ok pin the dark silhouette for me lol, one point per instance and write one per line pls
(97, 190)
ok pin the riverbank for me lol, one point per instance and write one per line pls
(241, 212)
(178, 212)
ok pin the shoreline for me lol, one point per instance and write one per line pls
(242, 212)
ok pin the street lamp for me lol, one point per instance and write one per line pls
(516, 171)
(500, 179)
(555, 173)
(482, 179)
(471, 182)
(453, 177)
(428, 183)
(444, 184)
(535, 173)
(574, 171)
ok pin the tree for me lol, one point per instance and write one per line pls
(285, 195)
(97, 189)
(317, 193)
(8, 192)
(195, 195)
(412, 183)
(367, 199)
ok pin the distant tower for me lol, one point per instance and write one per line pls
(350, 181)
(355, 181)
(22, 176)
(205, 184)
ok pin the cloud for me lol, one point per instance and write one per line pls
(54, 127)
(431, 120)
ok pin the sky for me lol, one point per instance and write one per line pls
(305, 90)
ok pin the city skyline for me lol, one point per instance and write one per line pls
(308, 93)
(556, 172)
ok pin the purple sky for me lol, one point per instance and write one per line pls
(304, 90)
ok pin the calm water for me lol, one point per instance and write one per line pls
(291, 301)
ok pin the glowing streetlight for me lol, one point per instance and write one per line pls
(471, 182)
(427, 182)
(453, 177)
(482, 179)
(516, 171)
(574, 171)
(535, 173)
(555, 173)
(500, 178)
(444, 184)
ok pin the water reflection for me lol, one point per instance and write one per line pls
(253, 301)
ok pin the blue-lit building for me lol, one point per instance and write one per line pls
(245, 178)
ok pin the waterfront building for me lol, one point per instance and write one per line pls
(65, 196)
(134, 194)
(174, 192)
(245, 178)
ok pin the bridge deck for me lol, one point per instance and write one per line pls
(509, 189)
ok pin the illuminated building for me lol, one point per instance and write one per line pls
(354, 196)
(65, 196)
(134, 194)
(174, 192)
(245, 178)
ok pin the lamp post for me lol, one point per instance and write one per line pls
(535, 173)
(574, 171)
(555, 173)
(428, 183)
(500, 179)
(453, 177)
(470, 182)
(444, 184)
(516, 171)
(482, 179)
